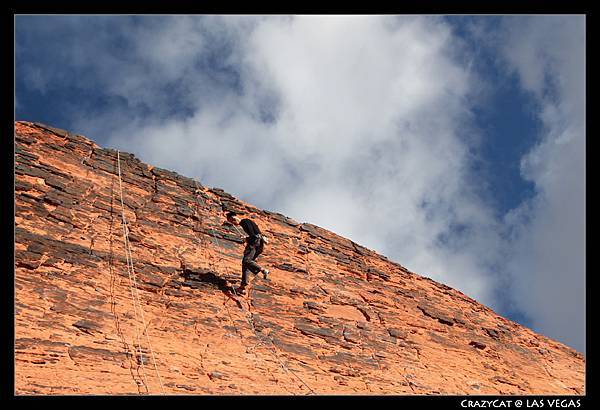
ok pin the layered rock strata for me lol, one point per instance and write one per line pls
(334, 318)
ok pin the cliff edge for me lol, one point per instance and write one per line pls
(100, 309)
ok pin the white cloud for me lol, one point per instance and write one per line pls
(370, 121)
(548, 267)
(360, 124)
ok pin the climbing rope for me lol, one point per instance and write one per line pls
(133, 299)
(251, 322)
(213, 267)
(133, 286)
(274, 350)
(113, 303)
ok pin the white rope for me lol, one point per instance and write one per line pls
(251, 323)
(133, 285)
(133, 299)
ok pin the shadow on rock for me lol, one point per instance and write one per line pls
(200, 277)
(197, 278)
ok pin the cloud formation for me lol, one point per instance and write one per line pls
(361, 124)
(548, 247)
(375, 152)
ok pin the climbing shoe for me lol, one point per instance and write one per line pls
(265, 273)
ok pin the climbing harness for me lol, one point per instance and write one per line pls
(251, 323)
(137, 305)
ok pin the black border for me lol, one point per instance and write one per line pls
(7, 208)
(220, 7)
(441, 7)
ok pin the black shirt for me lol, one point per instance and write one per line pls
(250, 227)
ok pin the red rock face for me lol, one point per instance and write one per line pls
(334, 318)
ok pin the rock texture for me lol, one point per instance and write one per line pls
(335, 318)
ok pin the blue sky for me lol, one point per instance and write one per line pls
(447, 143)
(508, 120)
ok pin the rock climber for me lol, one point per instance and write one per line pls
(254, 246)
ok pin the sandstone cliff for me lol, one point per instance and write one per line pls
(335, 318)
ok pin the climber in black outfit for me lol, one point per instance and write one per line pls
(254, 247)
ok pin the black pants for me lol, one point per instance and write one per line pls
(252, 251)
